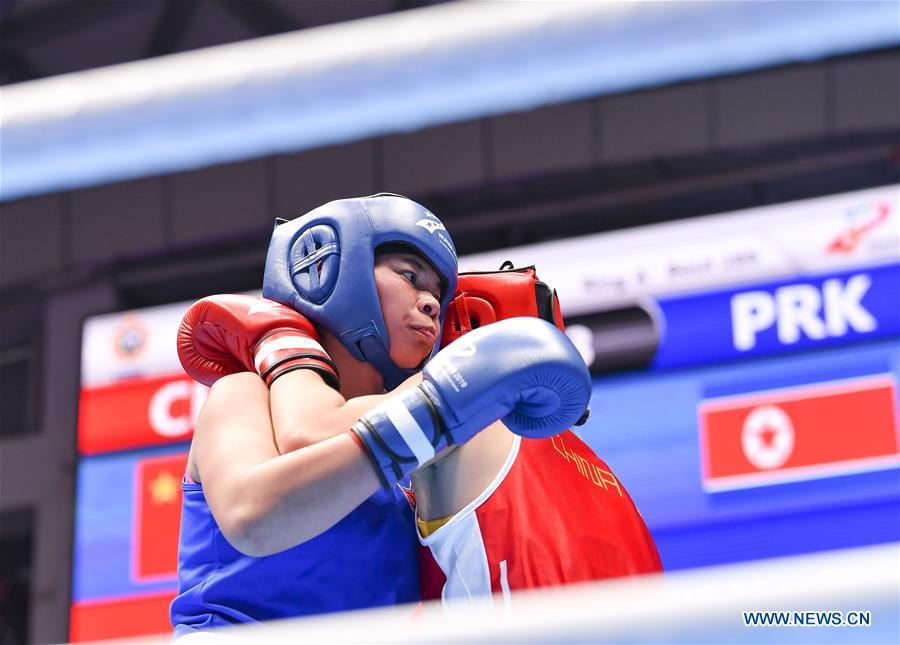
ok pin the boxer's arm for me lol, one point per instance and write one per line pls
(305, 413)
(265, 502)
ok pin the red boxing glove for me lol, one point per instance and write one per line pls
(224, 334)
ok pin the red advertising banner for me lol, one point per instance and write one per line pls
(157, 517)
(799, 433)
(138, 412)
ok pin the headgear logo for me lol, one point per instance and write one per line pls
(431, 225)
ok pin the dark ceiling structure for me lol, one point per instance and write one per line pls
(40, 38)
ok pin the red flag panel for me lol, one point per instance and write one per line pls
(157, 516)
(121, 618)
(138, 412)
(803, 432)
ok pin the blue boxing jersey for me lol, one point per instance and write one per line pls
(368, 559)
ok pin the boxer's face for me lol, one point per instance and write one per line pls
(410, 293)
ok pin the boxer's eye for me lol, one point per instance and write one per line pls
(413, 278)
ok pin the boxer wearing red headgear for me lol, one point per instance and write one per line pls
(504, 512)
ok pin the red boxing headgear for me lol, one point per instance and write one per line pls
(484, 297)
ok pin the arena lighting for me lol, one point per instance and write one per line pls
(393, 73)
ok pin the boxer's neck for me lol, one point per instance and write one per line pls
(358, 378)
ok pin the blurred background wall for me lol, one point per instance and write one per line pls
(687, 148)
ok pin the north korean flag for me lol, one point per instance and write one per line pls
(157, 516)
(799, 433)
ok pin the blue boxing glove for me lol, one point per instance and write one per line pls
(524, 371)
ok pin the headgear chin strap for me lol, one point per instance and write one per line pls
(322, 265)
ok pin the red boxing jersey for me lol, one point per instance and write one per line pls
(554, 514)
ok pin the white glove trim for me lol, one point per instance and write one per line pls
(409, 429)
(284, 342)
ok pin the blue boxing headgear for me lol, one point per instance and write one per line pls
(322, 265)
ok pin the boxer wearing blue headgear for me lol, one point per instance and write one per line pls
(308, 256)
(282, 512)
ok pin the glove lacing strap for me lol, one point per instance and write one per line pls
(284, 350)
(385, 459)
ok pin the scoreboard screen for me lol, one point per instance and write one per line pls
(136, 414)
(745, 391)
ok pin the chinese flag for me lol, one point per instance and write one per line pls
(157, 516)
(805, 432)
